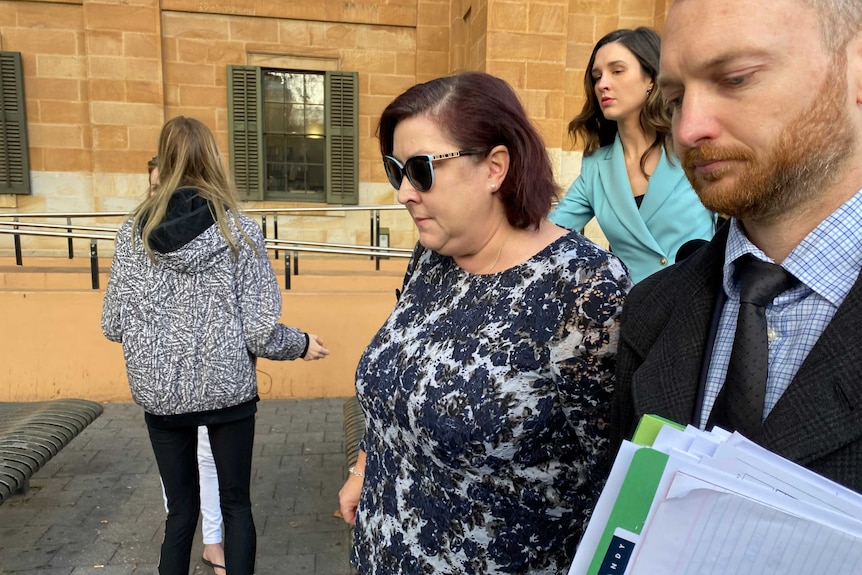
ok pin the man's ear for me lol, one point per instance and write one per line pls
(854, 67)
(498, 166)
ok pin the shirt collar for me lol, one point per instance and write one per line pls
(827, 260)
(737, 246)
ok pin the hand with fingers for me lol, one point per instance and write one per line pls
(316, 349)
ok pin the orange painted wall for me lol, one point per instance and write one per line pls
(51, 345)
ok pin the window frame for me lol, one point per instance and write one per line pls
(246, 126)
(14, 150)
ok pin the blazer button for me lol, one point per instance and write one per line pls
(663, 261)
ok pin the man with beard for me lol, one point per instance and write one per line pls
(767, 118)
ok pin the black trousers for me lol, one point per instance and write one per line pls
(176, 455)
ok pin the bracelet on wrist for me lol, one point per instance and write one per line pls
(352, 471)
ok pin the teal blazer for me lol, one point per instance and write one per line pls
(645, 239)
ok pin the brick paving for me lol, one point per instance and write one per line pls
(96, 508)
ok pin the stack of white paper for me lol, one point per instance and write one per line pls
(714, 503)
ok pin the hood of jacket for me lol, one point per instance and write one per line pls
(188, 239)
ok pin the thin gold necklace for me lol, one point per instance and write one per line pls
(499, 252)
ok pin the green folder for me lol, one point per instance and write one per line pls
(630, 510)
(648, 428)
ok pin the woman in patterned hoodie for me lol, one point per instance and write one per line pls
(194, 300)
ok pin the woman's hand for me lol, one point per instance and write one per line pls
(315, 348)
(348, 497)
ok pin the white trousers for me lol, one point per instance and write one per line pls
(210, 506)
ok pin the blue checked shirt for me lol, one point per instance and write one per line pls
(827, 263)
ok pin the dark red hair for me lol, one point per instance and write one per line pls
(478, 111)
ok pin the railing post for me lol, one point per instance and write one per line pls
(371, 234)
(275, 230)
(69, 229)
(94, 264)
(17, 240)
(287, 272)
(377, 239)
(263, 226)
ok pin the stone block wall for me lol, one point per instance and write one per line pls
(102, 76)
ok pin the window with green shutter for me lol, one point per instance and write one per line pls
(293, 134)
(342, 179)
(14, 155)
(244, 129)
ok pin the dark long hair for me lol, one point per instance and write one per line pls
(478, 111)
(592, 127)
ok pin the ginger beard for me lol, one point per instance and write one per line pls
(809, 154)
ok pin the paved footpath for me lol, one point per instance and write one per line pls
(96, 508)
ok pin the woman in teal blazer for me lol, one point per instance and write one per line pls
(640, 196)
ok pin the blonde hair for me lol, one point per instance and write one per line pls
(188, 157)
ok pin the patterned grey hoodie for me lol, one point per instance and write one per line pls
(193, 323)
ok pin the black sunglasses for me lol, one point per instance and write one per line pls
(418, 169)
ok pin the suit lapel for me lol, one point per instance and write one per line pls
(615, 181)
(819, 412)
(666, 383)
(659, 189)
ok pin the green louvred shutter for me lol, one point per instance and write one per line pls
(342, 142)
(14, 155)
(245, 126)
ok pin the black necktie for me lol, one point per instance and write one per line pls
(740, 403)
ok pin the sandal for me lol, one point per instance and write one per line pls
(212, 565)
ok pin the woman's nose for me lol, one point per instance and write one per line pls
(407, 193)
(602, 83)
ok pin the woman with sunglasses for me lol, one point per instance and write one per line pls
(486, 392)
(640, 196)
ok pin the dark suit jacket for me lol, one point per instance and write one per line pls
(665, 326)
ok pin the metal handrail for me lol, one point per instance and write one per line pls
(272, 243)
(290, 246)
(357, 252)
(60, 226)
(65, 215)
(16, 232)
(373, 216)
(380, 249)
(326, 208)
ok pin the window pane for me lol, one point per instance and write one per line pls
(295, 145)
(275, 148)
(295, 84)
(316, 150)
(316, 179)
(274, 118)
(294, 135)
(274, 177)
(295, 177)
(296, 119)
(316, 121)
(273, 87)
(314, 89)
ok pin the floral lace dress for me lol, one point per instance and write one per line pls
(486, 400)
